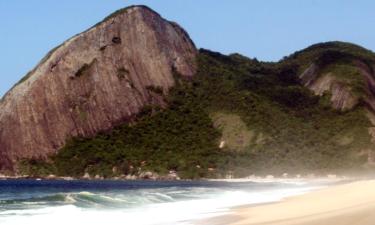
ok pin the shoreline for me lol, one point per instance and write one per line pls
(344, 204)
(253, 178)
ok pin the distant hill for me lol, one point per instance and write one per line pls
(132, 95)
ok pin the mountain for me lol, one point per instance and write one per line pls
(344, 70)
(132, 96)
(92, 82)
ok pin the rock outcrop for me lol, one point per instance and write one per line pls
(92, 82)
(342, 95)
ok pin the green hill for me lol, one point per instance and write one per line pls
(240, 116)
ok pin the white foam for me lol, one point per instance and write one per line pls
(177, 212)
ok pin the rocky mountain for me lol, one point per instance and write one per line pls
(346, 72)
(133, 96)
(92, 82)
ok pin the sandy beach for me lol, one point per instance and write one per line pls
(346, 204)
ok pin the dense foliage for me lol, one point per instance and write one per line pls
(291, 129)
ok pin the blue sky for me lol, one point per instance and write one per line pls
(265, 29)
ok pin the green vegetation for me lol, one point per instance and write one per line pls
(35, 167)
(283, 127)
(235, 133)
(180, 139)
(324, 54)
(349, 76)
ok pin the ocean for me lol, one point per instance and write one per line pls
(42, 202)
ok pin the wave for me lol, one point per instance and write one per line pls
(81, 199)
(165, 213)
(158, 206)
(91, 200)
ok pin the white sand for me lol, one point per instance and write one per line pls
(347, 204)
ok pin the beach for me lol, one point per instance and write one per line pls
(344, 204)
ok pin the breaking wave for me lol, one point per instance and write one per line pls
(142, 206)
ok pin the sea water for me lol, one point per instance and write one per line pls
(29, 202)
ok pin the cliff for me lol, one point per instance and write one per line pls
(92, 82)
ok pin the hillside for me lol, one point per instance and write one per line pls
(237, 116)
(132, 94)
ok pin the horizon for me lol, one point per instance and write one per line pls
(24, 46)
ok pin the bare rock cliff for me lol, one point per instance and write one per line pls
(343, 96)
(92, 82)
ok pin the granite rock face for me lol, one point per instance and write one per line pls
(92, 82)
(342, 96)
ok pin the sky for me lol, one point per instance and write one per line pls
(265, 29)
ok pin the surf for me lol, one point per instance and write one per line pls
(150, 203)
